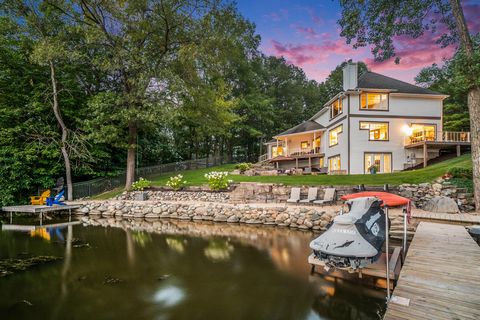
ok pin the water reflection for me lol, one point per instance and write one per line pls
(171, 269)
(218, 250)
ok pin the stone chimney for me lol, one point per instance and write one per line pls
(350, 76)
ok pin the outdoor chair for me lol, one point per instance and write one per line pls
(294, 195)
(312, 195)
(328, 197)
(41, 199)
(57, 199)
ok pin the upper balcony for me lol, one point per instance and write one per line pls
(439, 138)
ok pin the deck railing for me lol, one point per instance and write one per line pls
(263, 157)
(292, 152)
(439, 136)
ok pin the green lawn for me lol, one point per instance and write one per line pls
(196, 177)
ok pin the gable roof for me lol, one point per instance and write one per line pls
(305, 126)
(372, 80)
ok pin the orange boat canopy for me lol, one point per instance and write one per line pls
(389, 199)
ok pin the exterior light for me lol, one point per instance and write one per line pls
(407, 130)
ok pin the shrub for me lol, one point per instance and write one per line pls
(218, 180)
(176, 182)
(141, 184)
(459, 172)
(244, 166)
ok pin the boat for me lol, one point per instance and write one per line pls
(354, 240)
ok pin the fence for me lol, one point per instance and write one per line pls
(97, 186)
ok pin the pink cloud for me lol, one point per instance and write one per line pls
(282, 14)
(315, 18)
(312, 53)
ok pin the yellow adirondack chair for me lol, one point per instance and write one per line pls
(40, 200)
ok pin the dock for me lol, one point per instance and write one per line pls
(39, 209)
(440, 278)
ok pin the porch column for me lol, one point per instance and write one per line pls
(310, 162)
(314, 142)
(425, 154)
(286, 147)
(296, 163)
(459, 152)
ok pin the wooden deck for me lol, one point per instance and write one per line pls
(441, 275)
(39, 209)
(450, 217)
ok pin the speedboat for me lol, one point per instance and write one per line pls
(354, 240)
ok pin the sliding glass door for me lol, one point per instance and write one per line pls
(382, 162)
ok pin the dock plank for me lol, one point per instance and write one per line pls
(441, 275)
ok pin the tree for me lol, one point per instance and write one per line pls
(379, 22)
(50, 32)
(142, 41)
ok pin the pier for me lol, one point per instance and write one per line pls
(440, 278)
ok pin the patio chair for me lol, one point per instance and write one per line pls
(312, 195)
(328, 197)
(41, 199)
(57, 198)
(294, 195)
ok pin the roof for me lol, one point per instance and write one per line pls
(372, 80)
(305, 126)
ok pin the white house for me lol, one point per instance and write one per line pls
(376, 121)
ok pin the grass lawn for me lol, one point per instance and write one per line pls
(196, 177)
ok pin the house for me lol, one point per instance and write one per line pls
(376, 123)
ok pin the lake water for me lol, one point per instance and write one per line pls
(173, 270)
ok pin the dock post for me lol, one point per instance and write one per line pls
(11, 217)
(386, 254)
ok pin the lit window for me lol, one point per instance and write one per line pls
(304, 144)
(277, 151)
(378, 163)
(378, 131)
(422, 132)
(321, 162)
(336, 108)
(375, 101)
(334, 163)
(333, 135)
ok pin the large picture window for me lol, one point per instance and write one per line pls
(378, 162)
(336, 108)
(333, 135)
(378, 131)
(334, 163)
(374, 101)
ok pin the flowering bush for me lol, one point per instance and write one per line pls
(218, 180)
(141, 184)
(244, 166)
(176, 182)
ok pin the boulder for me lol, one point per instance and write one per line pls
(441, 204)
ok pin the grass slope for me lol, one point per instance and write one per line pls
(196, 177)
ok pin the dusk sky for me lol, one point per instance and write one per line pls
(306, 33)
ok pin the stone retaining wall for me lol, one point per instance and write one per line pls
(168, 195)
(315, 218)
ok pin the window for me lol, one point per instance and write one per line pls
(382, 162)
(333, 135)
(378, 131)
(322, 162)
(277, 151)
(423, 132)
(336, 108)
(304, 144)
(374, 101)
(334, 163)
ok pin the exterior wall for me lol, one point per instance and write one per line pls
(341, 148)
(402, 112)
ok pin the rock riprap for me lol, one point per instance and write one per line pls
(314, 218)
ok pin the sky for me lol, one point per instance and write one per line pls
(306, 34)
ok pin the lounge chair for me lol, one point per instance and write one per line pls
(41, 199)
(294, 195)
(56, 200)
(328, 197)
(312, 195)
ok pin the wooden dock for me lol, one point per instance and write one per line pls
(39, 209)
(440, 276)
